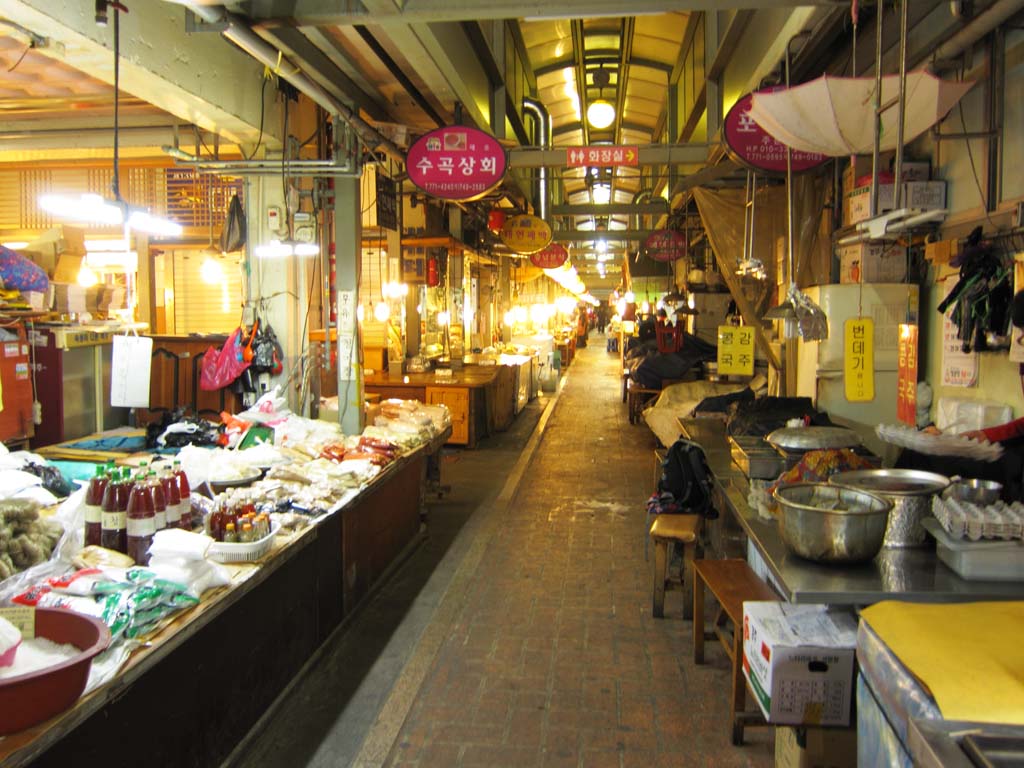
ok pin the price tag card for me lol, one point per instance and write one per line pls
(859, 359)
(906, 375)
(735, 350)
(23, 617)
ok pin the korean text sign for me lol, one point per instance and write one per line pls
(859, 359)
(456, 163)
(735, 350)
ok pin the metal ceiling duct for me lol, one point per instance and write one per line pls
(542, 118)
(238, 31)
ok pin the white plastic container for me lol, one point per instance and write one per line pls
(959, 415)
(248, 552)
(979, 560)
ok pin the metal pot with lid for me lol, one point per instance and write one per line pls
(813, 438)
(909, 490)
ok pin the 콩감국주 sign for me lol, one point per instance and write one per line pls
(456, 163)
(735, 350)
(752, 146)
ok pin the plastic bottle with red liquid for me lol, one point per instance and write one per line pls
(141, 521)
(185, 491)
(94, 506)
(113, 530)
(169, 484)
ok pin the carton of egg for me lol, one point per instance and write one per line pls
(965, 520)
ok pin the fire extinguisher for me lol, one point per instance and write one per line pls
(433, 279)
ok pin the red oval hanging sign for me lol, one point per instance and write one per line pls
(551, 257)
(525, 234)
(456, 163)
(665, 245)
(755, 148)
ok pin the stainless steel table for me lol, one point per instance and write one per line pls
(895, 574)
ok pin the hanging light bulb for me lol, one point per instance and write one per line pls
(381, 311)
(87, 278)
(211, 271)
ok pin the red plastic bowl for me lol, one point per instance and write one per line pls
(29, 699)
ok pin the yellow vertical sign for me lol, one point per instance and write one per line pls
(735, 350)
(859, 359)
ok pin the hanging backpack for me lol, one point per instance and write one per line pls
(687, 478)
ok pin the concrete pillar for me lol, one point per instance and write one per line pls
(347, 243)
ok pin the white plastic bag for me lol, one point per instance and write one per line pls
(175, 542)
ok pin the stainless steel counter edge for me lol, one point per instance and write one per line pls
(913, 574)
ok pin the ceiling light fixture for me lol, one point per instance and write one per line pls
(600, 113)
(96, 209)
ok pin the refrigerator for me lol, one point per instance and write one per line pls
(820, 363)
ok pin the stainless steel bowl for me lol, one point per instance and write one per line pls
(813, 438)
(831, 523)
(909, 490)
(979, 492)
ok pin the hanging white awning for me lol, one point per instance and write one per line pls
(833, 115)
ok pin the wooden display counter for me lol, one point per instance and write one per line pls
(194, 689)
(480, 398)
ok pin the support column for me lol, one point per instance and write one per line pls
(348, 235)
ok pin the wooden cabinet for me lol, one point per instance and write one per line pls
(174, 380)
(16, 425)
(457, 401)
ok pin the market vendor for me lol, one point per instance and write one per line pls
(1009, 431)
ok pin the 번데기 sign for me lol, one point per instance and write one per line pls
(525, 234)
(735, 350)
(755, 148)
(605, 156)
(859, 359)
(551, 257)
(665, 245)
(906, 375)
(456, 163)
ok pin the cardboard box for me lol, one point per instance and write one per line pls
(872, 263)
(858, 203)
(815, 747)
(54, 243)
(68, 298)
(799, 660)
(926, 195)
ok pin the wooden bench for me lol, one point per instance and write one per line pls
(684, 529)
(731, 582)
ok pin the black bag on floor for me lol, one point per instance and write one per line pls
(687, 477)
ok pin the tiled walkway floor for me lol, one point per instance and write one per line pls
(553, 658)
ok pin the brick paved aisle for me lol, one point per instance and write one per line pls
(554, 659)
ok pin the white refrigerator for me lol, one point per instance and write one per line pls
(820, 363)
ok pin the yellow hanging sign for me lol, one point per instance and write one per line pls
(735, 350)
(859, 360)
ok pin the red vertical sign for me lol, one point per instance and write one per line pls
(906, 376)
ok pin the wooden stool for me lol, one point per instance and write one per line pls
(686, 530)
(732, 582)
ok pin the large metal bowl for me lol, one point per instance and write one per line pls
(831, 523)
(981, 492)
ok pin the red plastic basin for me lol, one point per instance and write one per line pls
(29, 699)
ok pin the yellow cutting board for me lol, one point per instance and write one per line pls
(969, 655)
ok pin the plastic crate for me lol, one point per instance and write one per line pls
(978, 560)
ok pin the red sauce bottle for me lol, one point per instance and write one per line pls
(113, 534)
(141, 521)
(185, 491)
(94, 506)
(169, 483)
(156, 491)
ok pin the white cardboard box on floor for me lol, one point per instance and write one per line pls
(798, 660)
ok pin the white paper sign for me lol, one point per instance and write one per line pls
(959, 369)
(130, 368)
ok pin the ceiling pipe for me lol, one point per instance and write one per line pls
(996, 14)
(542, 120)
(237, 30)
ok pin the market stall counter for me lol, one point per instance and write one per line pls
(912, 574)
(191, 690)
(480, 398)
